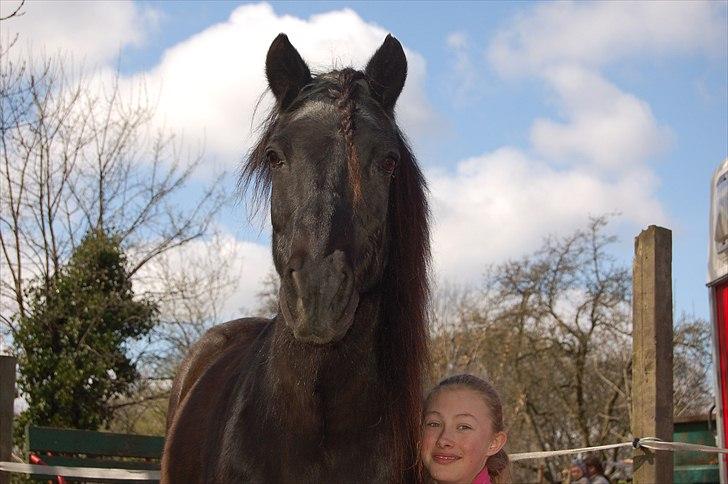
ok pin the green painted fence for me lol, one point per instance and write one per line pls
(695, 467)
(84, 448)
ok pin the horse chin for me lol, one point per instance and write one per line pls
(317, 329)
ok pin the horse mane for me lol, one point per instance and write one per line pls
(405, 285)
(402, 333)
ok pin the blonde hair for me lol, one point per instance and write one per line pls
(498, 464)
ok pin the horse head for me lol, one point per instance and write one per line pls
(330, 151)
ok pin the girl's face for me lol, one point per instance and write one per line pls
(458, 436)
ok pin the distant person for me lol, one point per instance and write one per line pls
(595, 470)
(463, 433)
(577, 473)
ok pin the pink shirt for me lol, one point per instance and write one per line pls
(482, 477)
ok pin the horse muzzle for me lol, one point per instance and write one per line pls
(318, 300)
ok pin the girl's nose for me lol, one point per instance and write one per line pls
(444, 441)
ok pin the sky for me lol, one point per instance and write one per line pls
(527, 117)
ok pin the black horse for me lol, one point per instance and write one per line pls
(328, 391)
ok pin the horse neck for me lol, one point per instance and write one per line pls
(312, 380)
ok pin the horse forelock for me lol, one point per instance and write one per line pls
(346, 103)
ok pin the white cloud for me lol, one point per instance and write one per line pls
(501, 205)
(595, 159)
(463, 75)
(457, 40)
(210, 83)
(93, 32)
(612, 129)
(207, 86)
(593, 34)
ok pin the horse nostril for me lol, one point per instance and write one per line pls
(341, 266)
(295, 263)
(296, 278)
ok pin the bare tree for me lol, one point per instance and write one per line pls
(81, 152)
(191, 285)
(78, 155)
(268, 296)
(692, 362)
(14, 12)
(553, 332)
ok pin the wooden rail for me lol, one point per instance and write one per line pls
(7, 397)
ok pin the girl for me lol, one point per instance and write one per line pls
(463, 433)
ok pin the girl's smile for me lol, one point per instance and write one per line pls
(445, 459)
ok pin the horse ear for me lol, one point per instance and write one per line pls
(286, 71)
(387, 70)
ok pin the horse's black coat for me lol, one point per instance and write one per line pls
(330, 389)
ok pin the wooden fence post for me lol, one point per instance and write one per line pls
(7, 396)
(652, 406)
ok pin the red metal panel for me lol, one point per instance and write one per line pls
(721, 305)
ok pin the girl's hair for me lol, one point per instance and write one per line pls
(498, 465)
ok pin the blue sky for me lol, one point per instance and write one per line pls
(527, 117)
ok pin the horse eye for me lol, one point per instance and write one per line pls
(388, 165)
(272, 157)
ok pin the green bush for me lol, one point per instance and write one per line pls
(72, 345)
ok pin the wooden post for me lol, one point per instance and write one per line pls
(652, 406)
(7, 396)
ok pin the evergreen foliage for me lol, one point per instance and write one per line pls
(72, 343)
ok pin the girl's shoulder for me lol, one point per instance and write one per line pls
(483, 477)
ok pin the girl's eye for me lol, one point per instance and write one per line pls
(273, 159)
(388, 165)
(432, 424)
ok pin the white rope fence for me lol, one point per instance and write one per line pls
(651, 443)
(81, 472)
(554, 453)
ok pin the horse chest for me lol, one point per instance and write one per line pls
(320, 447)
(329, 460)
